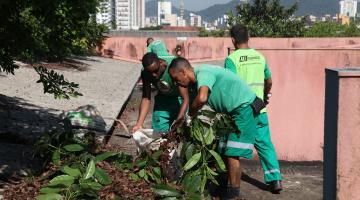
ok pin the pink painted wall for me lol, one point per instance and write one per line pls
(348, 159)
(298, 65)
(195, 49)
(342, 126)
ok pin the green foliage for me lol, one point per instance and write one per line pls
(201, 161)
(56, 84)
(6, 62)
(47, 146)
(49, 30)
(49, 196)
(268, 18)
(71, 171)
(90, 170)
(124, 162)
(102, 176)
(147, 167)
(78, 182)
(333, 29)
(73, 147)
(215, 33)
(64, 180)
(104, 156)
(77, 176)
(165, 191)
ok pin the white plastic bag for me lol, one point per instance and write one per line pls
(147, 139)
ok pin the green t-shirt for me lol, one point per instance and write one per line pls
(250, 65)
(226, 91)
(164, 77)
(158, 47)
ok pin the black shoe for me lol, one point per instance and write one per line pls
(275, 187)
(231, 193)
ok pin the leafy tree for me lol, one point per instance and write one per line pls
(333, 29)
(34, 30)
(268, 18)
(215, 33)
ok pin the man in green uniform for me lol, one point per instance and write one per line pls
(171, 102)
(157, 46)
(224, 92)
(251, 66)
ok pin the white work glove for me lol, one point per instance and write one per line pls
(187, 120)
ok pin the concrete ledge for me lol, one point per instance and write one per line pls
(27, 112)
(342, 125)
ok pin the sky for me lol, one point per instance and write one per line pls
(196, 5)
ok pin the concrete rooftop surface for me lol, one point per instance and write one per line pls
(105, 83)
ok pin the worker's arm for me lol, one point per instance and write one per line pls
(145, 102)
(199, 101)
(267, 88)
(229, 64)
(205, 81)
(267, 84)
(149, 48)
(184, 106)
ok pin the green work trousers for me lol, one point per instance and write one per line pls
(266, 150)
(254, 132)
(166, 109)
(240, 144)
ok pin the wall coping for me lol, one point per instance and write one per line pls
(345, 72)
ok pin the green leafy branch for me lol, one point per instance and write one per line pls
(202, 163)
(78, 175)
(56, 84)
(147, 167)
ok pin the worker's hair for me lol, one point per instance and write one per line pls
(240, 33)
(148, 59)
(149, 40)
(178, 64)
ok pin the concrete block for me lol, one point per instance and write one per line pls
(342, 134)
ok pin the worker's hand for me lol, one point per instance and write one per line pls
(187, 120)
(266, 98)
(178, 122)
(136, 127)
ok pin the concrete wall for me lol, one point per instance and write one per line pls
(298, 65)
(154, 33)
(342, 125)
(196, 49)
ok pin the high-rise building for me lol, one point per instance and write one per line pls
(348, 8)
(164, 9)
(122, 14)
(171, 19)
(195, 20)
(104, 14)
(138, 14)
(150, 21)
(181, 21)
(181, 7)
